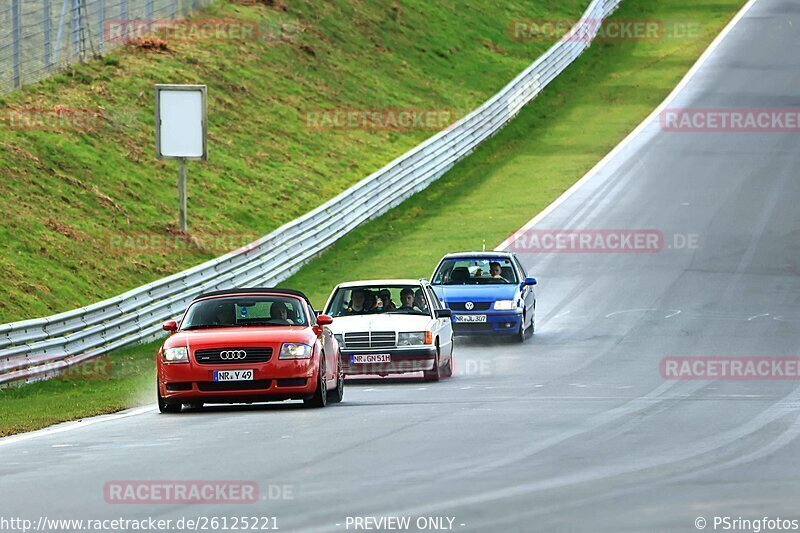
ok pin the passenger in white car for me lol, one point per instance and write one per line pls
(407, 300)
(419, 300)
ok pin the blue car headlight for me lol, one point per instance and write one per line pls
(505, 305)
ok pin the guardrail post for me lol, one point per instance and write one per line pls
(16, 37)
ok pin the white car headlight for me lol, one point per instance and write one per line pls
(291, 350)
(414, 338)
(175, 355)
(505, 305)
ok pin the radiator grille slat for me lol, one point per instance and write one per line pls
(370, 339)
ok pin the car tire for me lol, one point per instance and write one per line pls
(522, 332)
(336, 395)
(447, 370)
(320, 397)
(433, 375)
(165, 406)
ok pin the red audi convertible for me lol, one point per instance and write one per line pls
(249, 345)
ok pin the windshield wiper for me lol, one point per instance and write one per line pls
(201, 326)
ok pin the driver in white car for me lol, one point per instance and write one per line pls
(357, 301)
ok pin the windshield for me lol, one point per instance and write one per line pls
(370, 299)
(261, 310)
(475, 271)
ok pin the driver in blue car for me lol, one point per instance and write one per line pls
(495, 270)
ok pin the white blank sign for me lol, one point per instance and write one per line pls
(180, 121)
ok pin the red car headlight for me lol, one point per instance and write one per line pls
(175, 355)
(292, 350)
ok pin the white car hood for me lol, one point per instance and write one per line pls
(389, 322)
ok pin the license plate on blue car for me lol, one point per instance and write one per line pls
(470, 318)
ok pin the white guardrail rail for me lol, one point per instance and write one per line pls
(41, 348)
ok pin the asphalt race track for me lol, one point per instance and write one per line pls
(576, 430)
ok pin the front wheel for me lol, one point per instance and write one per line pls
(165, 406)
(336, 395)
(447, 369)
(522, 332)
(433, 374)
(320, 398)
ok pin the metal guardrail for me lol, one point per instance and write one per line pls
(40, 348)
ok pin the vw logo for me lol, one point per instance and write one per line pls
(229, 355)
(469, 306)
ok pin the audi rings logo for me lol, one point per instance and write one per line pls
(231, 355)
(469, 306)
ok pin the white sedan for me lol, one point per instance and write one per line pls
(391, 327)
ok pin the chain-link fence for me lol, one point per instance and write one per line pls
(39, 37)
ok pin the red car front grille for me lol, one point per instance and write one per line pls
(233, 356)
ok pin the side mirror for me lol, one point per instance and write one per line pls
(530, 281)
(443, 313)
(324, 320)
(170, 325)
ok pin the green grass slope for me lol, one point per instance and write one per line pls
(89, 213)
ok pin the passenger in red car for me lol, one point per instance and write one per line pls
(279, 313)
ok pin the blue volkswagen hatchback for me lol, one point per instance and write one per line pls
(489, 293)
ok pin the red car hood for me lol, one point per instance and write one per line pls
(240, 337)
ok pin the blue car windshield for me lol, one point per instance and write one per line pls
(476, 271)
